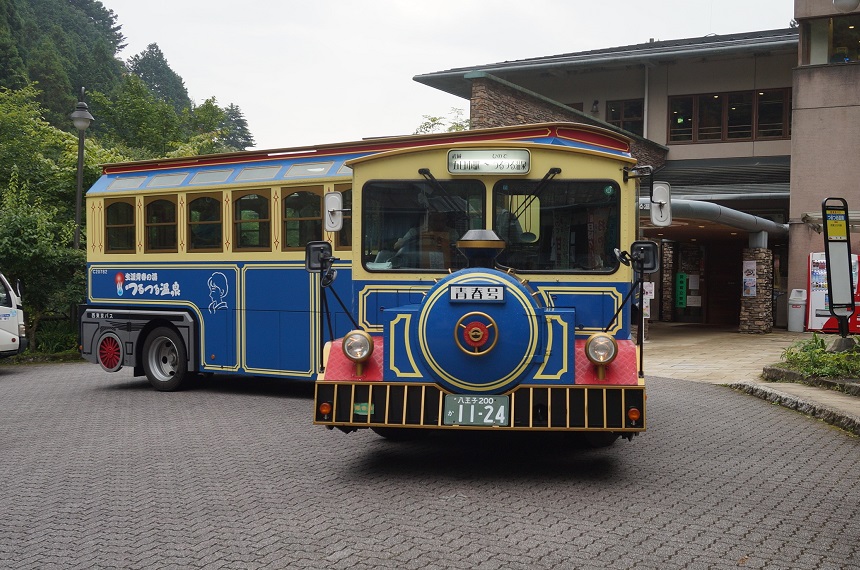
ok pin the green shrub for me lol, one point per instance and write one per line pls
(811, 358)
(56, 336)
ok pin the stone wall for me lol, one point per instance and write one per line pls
(497, 103)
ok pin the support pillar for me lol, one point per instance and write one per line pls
(757, 312)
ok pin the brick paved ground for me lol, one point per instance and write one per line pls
(99, 471)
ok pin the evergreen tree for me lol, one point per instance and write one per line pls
(56, 93)
(236, 133)
(13, 72)
(152, 67)
(135, 118)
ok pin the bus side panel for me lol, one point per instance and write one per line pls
(595, 304)
(282, 321)
(208, 291)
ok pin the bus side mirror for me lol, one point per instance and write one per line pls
(645, 255)
(661, 205)
(317, 255)
(333, 211)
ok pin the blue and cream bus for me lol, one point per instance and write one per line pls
(472, 280)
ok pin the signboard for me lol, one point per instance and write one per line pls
(501, 160)
(681, 290)
(840, 282)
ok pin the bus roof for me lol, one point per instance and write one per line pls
(328, 161)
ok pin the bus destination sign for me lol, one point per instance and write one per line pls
(509, 161)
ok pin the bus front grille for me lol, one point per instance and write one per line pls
(420, 405)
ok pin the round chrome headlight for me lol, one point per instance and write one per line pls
(601, 348)
(358, 346)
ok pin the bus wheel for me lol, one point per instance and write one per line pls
(109, 352)
(164, 359)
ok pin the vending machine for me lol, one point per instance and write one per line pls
(818, 317)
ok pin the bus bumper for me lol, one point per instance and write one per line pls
(354, 405)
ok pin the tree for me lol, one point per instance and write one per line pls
(236, 135)
(453, 123)
(104, 20)
(135, 118)
(206, 117)
(13, 71)
(56, 93)
(151, 66)
(34, 246)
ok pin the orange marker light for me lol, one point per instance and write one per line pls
(325, 408)
(634, 414)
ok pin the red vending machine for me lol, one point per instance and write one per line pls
(818, 318)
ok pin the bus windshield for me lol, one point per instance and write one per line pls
(571, 225)
(415, 224)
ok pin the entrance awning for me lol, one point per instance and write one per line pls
(692, 218)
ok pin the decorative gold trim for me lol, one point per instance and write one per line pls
(550, 347)
(407, 347)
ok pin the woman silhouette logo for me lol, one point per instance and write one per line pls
(217, 291)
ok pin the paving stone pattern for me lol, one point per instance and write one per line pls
(100, 471)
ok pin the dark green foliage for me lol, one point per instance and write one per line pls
(151, 66)
(13, 71)
(34, 246)
(812, 358)
(56, 94)
(132, 115)
(236, 133)
(49, 50)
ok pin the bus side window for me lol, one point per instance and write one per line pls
(204, 223)
(343, 239)
(252, 222)
(302, 217)
(160, 224)
(119, 226)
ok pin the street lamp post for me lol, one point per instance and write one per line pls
(81, 118)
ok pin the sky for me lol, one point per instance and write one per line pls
(324, 71)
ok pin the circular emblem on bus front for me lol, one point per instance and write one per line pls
(476, 333)
(505, 324)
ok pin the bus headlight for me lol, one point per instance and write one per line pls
(358, 346)
(601, 349)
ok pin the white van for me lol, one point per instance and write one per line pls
(13, 334)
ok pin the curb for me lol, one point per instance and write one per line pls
(847, 386)
(841, 420)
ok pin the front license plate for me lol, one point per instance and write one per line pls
(465, 410)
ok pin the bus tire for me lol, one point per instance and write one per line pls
(164, 359)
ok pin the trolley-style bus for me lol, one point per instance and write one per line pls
(472, 280)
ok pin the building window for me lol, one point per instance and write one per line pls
(831, 40)
(739, 115)
(302, 217)
(717, 117)
(773, 114)
(627, 115)
(160, 224)
(119, 226)
(204, 223)
(251, 220)
(681, 119)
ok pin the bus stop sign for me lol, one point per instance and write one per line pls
(837, 250)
